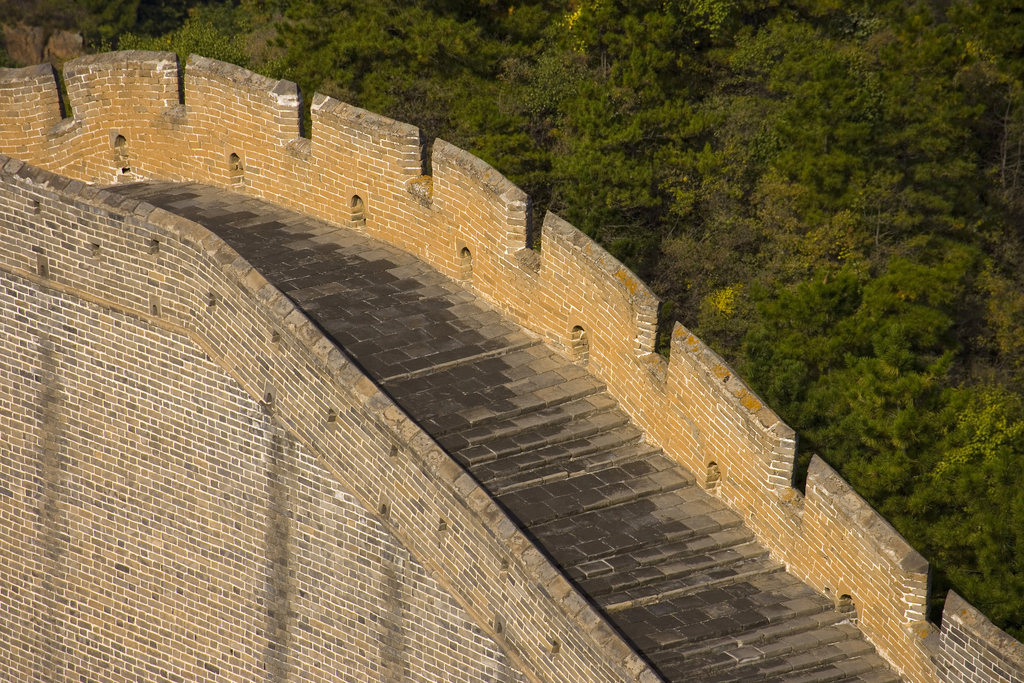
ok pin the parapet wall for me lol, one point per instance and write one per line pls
(239, 130)
(975, 651)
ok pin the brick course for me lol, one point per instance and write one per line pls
(975, 651)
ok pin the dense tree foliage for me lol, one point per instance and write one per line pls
(830, 194)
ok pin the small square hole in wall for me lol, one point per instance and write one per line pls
(95, 249)
(236, 169)
(42, 266)
(120, 144)
(579, 346)
(154, 246)
(713, 476)
(357, 217)
(269, 397)
(465, 263)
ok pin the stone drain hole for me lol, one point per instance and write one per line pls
(211, 301)
(845, 605)
(465, 264)
(580, 346)
(95, 249)
(713, 476)
(154, 246)
(154, 306)
(384, 509)
(121, 154)
(553, 646)
(236, 171)
(358, 212)
(42, 266)
(269, 398)
(499, 624)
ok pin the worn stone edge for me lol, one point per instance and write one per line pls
(687, 345)
(593, 254)
(478, 170)
(968, 617)
(108, 61)
(11, 77)
(861, 516)
(338, 365)
(282, 92)
(361, 119)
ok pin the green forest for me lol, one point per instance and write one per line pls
(830, 194)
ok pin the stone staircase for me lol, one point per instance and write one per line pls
(671, 566)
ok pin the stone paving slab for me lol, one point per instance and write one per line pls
(672, 567)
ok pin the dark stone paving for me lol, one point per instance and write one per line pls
(670, 565)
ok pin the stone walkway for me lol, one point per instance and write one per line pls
(670, 565)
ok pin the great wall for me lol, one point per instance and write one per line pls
(219, 460)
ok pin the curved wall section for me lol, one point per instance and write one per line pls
(238, 130)
(217, 489)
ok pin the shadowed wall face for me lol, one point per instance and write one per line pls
(146, 498)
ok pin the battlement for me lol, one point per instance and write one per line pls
(135, 118)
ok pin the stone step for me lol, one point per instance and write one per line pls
(626, 559)
(587, 493)
(573, 387)
(826, 663)
(842, 667)
(809, 648)
(515, 342)
(541, 418)
(581, 455)
(881, 674)
(688, 584)
(655, 554)
(683, 515)
(628, 578)
(613, 425)
(761, 637)
(719, 614)
(490, 390)
(631, 464)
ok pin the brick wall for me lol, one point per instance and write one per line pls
(472, 224)
(975, 651)
(181, 502)
(162, 527)
(30, 108)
